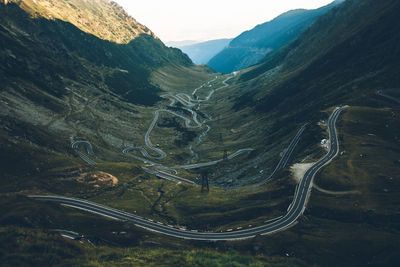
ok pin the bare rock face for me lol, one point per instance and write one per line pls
(98, 179)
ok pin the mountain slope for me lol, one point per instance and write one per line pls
(58, 82)
(201, 53)
(57, 50)
(102, 18)
(252, 46)
(348, 56)
(343, 57)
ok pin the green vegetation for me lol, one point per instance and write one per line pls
(59, 85)
(123, 83)
(369, 164)
(82, 57)
(32, 247)
(330, 65)
(362, 228)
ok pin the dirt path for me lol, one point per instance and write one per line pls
(299, 169)
(329, 192)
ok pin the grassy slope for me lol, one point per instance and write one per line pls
(26, 246)
(43, 149)
(342, 58)
(367, 224)
(27, 239)
(351, 229)
(370, 165)
(57, 85)
(335, 228)
(362, 229)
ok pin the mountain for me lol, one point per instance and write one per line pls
(252, 46)
(76, 108)
(102, 18)
(348, 56)
(58, 83)
(63, 50)
(341, 58)
(201, 53)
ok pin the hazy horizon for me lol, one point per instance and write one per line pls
(180, 20)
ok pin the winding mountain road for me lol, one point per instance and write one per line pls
(185, 100)
(193, 122)
(281, 164)
(295, 209)
(170, 173)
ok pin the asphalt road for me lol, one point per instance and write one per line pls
(195, 90)
(169, 176)
(287, 153)
(295, 210)
(281, 164)
(210, 163)
(381, 93)
(89, 150)
(192, 122)
(189, 103)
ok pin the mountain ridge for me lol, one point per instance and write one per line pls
(105, 19)
(302, 63)
(251, 46)
(140, 56)
(66, 95)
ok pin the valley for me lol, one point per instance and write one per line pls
(295, 209)
(117, 150)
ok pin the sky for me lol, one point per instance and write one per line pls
(201, 20)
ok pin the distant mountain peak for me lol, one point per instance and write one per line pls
(105, 19)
